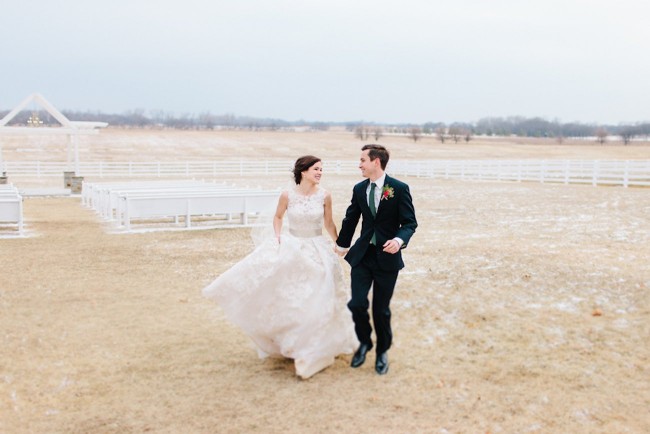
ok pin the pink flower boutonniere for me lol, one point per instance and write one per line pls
(387, 192)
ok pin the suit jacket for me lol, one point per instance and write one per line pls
(395, 218)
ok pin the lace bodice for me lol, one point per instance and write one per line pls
(305, 213)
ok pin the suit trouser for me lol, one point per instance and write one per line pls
(365, 275)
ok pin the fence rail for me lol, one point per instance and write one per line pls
(626, 173)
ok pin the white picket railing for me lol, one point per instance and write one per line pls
(625, 173)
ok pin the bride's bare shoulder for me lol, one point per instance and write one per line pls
(284, 196)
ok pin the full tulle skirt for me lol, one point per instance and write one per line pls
(290, 299)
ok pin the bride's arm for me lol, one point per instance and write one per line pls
(328, 222)
(283, 201)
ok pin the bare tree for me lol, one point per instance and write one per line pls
(441, 134)
(627, 134)
(361, 132)
(468, 135)
(207, 120)
(415, 133)
(643, 129)
(601, 135)
(378, 132)
(455, 133)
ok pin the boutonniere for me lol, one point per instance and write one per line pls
(387, 192)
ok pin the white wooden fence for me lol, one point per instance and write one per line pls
(626, 173)
(41, 169)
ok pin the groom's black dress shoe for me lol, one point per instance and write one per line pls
(360, 355)
(381, 364)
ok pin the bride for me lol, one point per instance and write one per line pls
(289, 295)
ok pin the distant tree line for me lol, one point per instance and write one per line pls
(539, 127)
(160, 119)
(509, 126)
(536, 127)
(456, 131)
(188, 121)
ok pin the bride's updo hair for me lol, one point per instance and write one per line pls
(303, 163)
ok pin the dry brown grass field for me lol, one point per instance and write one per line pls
(172, 145)
(523, 307)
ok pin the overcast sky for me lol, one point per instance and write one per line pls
(336, 60)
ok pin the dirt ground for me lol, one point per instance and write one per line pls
(524, 307)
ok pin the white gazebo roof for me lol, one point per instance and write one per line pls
(68, 127)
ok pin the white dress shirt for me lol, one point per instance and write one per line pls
(380, 184)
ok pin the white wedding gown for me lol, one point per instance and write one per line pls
(291, 298)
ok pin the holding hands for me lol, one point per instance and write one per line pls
(391, 246)
(340, 250)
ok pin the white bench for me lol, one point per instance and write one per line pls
(111, 202)
(102, 197)
(121, 196)
(11, 207)
(240, 203)
(92, 192)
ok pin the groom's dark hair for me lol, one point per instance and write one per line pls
(377, 151)
(303, 163)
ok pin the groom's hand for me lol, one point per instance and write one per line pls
(392, 246)
(340, 250)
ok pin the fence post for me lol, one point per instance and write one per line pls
(594, 176)
(626, 174)
(188, 218)
(21, 225)
(566, 172)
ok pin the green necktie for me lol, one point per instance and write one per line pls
(373, 208)
(371, 199)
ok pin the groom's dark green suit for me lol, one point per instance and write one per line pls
(371, 266)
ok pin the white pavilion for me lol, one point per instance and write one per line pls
(72, 129)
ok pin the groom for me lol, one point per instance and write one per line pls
(387, 226)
